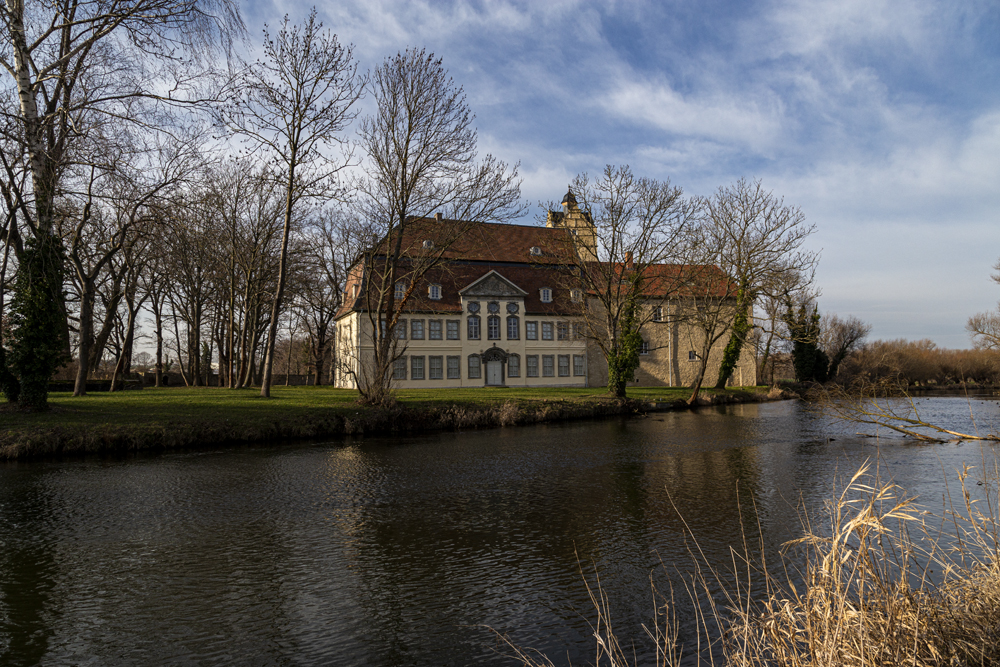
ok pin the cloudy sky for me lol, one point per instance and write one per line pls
(880, 120)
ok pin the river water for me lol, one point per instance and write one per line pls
(408, 551)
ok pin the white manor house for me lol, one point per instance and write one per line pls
(499, 311)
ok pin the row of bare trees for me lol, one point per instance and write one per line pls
(119, 207)
(120, 186)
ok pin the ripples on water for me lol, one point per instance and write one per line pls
(399, 551)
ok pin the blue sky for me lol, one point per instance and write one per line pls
(880, 120)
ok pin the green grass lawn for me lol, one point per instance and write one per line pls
(156, 419)
(211, 404)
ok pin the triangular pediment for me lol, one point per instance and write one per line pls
(493, 284)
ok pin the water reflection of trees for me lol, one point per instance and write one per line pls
(27, 569)
(488, 527)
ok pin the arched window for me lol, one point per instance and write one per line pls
(514, 366)
(493, 327)
(513, 327)
(473, 327)
(475, 366)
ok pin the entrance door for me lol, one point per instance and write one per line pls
(494, 373)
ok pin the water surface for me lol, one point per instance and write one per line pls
(402, 551)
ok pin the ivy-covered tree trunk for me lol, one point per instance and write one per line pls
(38, 325)
(624, 359)
(741, 329)
(811, 363)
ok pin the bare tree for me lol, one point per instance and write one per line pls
(330, 245)
(709, 309)
(984, 328)
(628, 239)
(292, 105)
(759, 240)
(73, 65)
(419, 158)
(772, 334)
(839, 337)
(118, 197)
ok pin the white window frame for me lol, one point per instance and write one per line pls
(454, 367)
(430, 330)
(415, 363)
(548, 365)
(431, 367)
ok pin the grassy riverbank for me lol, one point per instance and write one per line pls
(154, 419)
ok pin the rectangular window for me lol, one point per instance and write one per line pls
(692, 355)
(400, 290)
(531, 330)
(545, 294)
(493, 327)
(548, 366)
(577, 330)
(562, 330)
(473, 327)
(546, 330)
(454, 368)
(434, 329)
(401, 329)
(579, 365)
(434, 292)
(417, 330)
(435, 368)
(452, 326)
(513, 366)
(564, 365)
(474, 366)
(416, 368)
(532, 360)
(658, 313)
(513, 327)
(399, 369)
(644, 347)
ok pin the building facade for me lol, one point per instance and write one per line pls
(499, 311)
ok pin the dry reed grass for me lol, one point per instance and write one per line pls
(885, 583)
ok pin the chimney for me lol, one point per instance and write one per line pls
(438, 217)
(629, 264)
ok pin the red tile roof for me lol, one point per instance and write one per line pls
(489, 242)
(484, 247)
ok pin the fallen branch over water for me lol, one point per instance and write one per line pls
(887, 405)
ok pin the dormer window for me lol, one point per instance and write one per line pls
(545, 294)
(400, 291)
(428, 244)
(535, 251)
(434, 292)
(576, 295)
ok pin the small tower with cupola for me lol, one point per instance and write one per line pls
(580, 225)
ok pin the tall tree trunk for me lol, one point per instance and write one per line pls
(87, 297)
(265, 383)
(125, 358)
